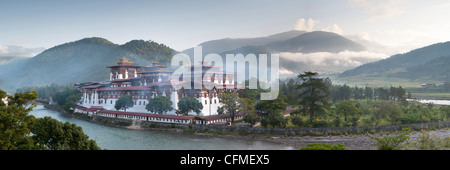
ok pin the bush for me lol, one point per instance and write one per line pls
(318, 123)
(297, 120)
(323, 146)
(425, 141)
(391, 142)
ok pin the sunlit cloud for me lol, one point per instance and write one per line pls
(305, 25)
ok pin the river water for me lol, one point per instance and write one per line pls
(437, 102)
(124, 139)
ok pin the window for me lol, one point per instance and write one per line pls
(144, 102)
(139, 102)
(215, 101)
(206, 101)
(111, 102)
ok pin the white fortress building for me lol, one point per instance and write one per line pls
(146, 82)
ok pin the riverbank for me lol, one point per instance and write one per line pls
(356, 140)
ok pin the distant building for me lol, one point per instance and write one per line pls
(426, 86)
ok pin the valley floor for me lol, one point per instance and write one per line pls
(353, 142)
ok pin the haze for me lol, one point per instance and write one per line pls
(399, 25)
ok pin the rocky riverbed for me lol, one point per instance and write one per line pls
(354, 142)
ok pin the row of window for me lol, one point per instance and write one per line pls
(111, 102)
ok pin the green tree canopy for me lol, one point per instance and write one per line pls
(272, 106)
(15, 122)
(314, 95)
(56, 135)
(188, 104)
(19, 130)
(347, 108)
(230, 103)
(124, 102)
(159, 104)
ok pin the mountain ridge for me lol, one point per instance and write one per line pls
(409, 65)
(79, 61)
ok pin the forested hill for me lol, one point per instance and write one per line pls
(412, 65)
(79, 61)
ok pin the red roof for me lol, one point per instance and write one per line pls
(125, 66)
(125, 88)
(209, 118)
(93, 86)
(147, 114)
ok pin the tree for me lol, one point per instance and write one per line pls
(272, 106)
(15, 122)
(188, 104)
(392, 111)
(159, 104)
(251, 118)
(297, 120)
(246, 105)
(19, 130)
(124, 102)
(67, 99)
(230, 103)
(56, 135)
(368, 93)
(347, 108)
(2, 95)
(314, 97)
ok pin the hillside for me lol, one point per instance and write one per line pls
(79, 61)
(10, 59)
(436, 69)
(292, 45)
(401, 62)
(229, 44)
(317, 41)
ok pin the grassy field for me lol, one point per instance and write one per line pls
(409, 85)
(362, 81)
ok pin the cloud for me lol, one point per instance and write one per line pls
(325, 62)
(309, 25)
(305, 25)
(284, 71)
(335, 28)
(13, 50)
(378, 9)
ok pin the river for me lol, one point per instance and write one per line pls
(123, 139)
(436, 102)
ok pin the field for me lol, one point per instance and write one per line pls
(413, 86)
(362, 81)
(435, 96)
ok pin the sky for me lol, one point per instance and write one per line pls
(29, 26)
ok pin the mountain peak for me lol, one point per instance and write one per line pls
(316, 41)
(94, 40)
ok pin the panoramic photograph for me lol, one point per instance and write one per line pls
(225, 75)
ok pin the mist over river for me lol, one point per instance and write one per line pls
(124, 139)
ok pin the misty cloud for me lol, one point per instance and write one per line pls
(335, 29)
(326, 62)
(12, 50)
